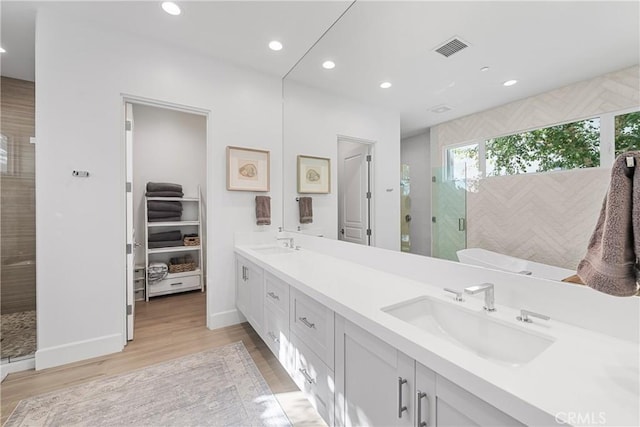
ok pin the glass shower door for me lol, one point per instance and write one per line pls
(449, 220)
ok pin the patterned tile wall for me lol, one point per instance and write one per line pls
(542, 217)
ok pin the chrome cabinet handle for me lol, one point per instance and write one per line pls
(306, 376)
(176, 284)
(421, 395)
(274, 338)
(307, 323)
(273, 295)
(401, 407)
(244, 273)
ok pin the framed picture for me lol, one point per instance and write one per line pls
(247, 169)
(314, 174)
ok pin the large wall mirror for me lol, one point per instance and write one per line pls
(487, 126)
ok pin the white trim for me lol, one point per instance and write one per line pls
(225, 318)
(78, 350)
(17, 366)
(138, 100)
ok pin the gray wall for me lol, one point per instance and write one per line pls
(415, 151)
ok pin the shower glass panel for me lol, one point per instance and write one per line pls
(17, 217)
(449, 221)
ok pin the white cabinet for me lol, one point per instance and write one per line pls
(190, 223)
(249, 292)
(457, 407)
(276, 319)
(374, 382)
(313, 323)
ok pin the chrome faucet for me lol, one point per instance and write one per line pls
(289, 239)
(489, 297)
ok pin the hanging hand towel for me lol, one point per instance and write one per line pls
(610, 263)
(263, 210)
(305, 204)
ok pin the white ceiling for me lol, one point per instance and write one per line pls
(542, 44)
(233, 31)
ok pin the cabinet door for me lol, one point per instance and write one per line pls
(374, 381)
(242, 288)
(425, 396)
(457, 407)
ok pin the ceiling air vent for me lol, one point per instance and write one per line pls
(442, 108)
(452, 46)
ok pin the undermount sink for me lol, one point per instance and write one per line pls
(475, 331)
(272, 250)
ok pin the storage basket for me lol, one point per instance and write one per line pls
(192, 241)
(182, 264)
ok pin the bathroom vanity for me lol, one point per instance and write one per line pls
(369, 347)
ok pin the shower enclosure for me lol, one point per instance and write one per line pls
(17, 218)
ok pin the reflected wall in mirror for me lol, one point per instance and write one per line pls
(517, 169)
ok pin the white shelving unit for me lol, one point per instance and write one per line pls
(191, 223)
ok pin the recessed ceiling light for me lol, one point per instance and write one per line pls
(510, 82)
(484, 69)
(171, 8)
(328, 65)
(442, 108)
(275, 45)
(2, 50)
(385, 85)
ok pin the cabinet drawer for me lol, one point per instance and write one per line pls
(313, 323)
(276, 335)
(170, 285)
(314, 378)
(276, 293)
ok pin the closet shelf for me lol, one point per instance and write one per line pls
(172, 223)
(174, 199)
(173, 249)
(183, 274)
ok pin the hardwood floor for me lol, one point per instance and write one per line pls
(166, 328)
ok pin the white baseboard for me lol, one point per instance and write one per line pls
(79, 350)
(225, 318)
(18, 366)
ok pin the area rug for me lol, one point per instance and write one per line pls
(18, 334)
(218, 387)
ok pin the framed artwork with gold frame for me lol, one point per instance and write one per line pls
(314, 175)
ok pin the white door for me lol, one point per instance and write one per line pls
(353, 189)
(130, 230)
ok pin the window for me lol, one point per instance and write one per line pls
(568, 146)
(627, 132)
(463, 165)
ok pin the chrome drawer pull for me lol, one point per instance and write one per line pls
(421, 395)
(176, 284)
(274, 296)
(401, 407)
(306, 376)
(307, 323)
(274, 337)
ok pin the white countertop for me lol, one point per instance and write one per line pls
(587, 375)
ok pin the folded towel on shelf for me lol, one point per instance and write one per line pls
(613, 250)
(165, 235)
(165, 244)
(157, 271)
(168, 219)
(164, 194)
(163, 214)
(163, 186)
(263, 210)
(154, 205)
(305, 205)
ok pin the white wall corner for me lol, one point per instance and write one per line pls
(18, 366)
(225, 318)
(78, 350)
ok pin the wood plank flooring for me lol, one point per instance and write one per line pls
(166, 328)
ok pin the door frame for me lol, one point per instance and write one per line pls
(371, 145)
(125, 99)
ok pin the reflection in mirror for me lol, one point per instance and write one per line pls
(499, 140)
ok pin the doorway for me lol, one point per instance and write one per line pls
(355, 178)
(166, 177)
